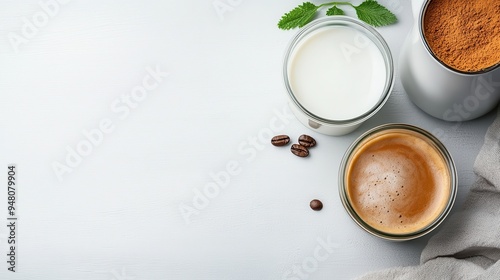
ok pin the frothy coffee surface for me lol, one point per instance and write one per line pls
(397, 182)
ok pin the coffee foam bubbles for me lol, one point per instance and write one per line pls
(398, 182)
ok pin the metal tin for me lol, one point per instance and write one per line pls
(439, 90)
(332, 126)
(420, 21)
(429, 139)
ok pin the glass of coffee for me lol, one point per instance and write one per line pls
(397, 182)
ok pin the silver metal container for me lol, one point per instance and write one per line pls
(439, 90)
(439, 212)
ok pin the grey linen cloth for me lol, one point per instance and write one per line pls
(468, 244)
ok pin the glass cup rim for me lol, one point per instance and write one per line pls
(373, 35)
(437, 144)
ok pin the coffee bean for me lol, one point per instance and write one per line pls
(299, 150)
(316, 205)
(280, 140)
(307, 141)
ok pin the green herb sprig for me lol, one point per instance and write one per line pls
(370, 11)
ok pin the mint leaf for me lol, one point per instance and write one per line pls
(299, 16)
(370, 11)
(374, 14)
(335, 11)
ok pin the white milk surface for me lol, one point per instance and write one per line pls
(337, 73)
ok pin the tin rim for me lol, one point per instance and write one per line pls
(367, 30)
(439, 147)
(423, 10)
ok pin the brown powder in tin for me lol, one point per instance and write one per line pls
(464, 34)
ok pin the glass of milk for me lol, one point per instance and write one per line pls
(338, 72)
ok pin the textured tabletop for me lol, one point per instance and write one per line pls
(140, 131)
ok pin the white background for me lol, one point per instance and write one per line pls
(117, 214)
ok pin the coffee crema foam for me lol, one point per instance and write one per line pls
(398, 182)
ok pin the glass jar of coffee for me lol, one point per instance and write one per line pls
(397, 182)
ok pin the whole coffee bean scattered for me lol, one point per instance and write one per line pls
(280, 140)
(299, 150)
(307, 141)
(316, 205)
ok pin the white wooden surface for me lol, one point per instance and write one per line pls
(117, 214)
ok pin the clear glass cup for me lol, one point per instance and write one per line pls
(439, 212)
(338, 126)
